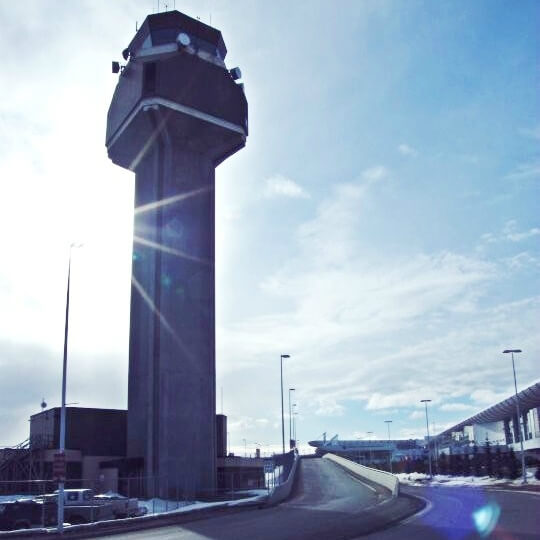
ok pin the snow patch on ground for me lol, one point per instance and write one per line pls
(9, 498)
(162, 506)
(421, 479)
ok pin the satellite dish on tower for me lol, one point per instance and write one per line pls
(43, 404)
(183, 39)
(235, 73)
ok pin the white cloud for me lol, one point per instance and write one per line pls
(518, 237)
(380, 330)
(523, 171)
(488, 397)
(242, 423)
(374, 174)
(416, 415)
(412, 433)
(328, 407)
(398, 399)
(489, 238)
(510, 233)
(280, 186)
(521, 260)
(406, 150)
(332, 236)
(456, 407)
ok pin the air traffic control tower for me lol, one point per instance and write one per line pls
(176, 113)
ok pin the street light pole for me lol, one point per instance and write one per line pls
(425, 402)
(370, 450)
(388, 422)
(62, 441)
(282, 414)
(290, 415)
(524, 471)
(295, 414)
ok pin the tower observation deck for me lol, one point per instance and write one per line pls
(176, 113)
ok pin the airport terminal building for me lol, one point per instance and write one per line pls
(499, 425)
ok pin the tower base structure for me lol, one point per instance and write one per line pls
(176, 114)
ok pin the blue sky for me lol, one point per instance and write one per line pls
(381, 225)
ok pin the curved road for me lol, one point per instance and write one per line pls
(465, 513)
(328, 504)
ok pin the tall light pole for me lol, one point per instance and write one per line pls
(388, 422)
(295, 414)
(290, 415)
(282, 414)
(425, 402)
(370, 449)
(512, 351)
(62, 442)
(435, 447)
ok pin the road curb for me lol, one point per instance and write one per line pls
(398, 510)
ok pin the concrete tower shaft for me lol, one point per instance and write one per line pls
(175, 115)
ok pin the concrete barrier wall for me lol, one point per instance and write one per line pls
(281, 492)
(382, 478)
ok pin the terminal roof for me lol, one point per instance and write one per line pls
(528, 399)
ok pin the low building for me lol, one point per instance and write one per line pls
(93, 436)
(96, 441)
(376, 452)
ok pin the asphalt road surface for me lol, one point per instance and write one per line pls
(326, 503)
(464, 513)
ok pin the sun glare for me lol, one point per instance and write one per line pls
(170, 200)
(171, 251)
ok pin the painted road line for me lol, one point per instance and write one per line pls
(423, 512)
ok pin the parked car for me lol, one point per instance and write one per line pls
(80, 506)
(25, 514)
(122, 506)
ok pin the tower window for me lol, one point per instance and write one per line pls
(149, 78)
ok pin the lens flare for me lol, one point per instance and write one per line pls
(170, 200)
(149, 142)
(169, 250)
(485, 518)
(163, 321)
